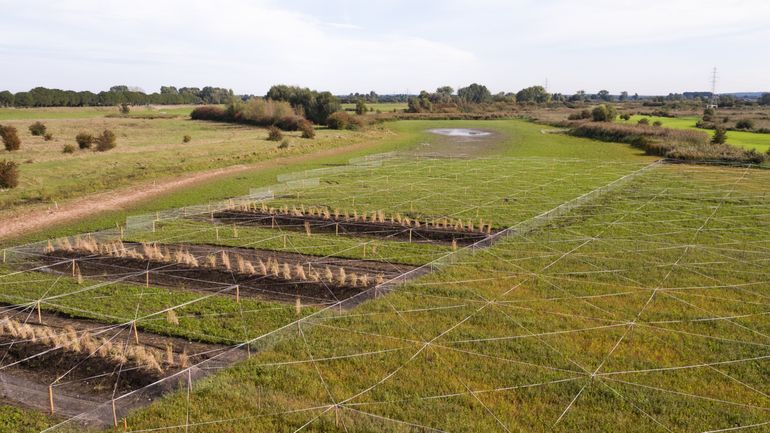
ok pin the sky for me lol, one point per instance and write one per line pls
(389, 46)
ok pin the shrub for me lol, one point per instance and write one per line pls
(186, 139)
(209, 112)
(274, 134)
(604, 113)
(9, 174)
(657, 123)
(625, 116)
(744, 124)
(284, 144)
(338, 120)
(47, 136)
(643, 121)
(10, 138)
(720, 136)
(37, 129)
(584, 114)
(68, 148)
(307, 129)
(124, 108)
(84, 140)
(105, 141)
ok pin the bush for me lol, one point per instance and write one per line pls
(47, 136)
(186, 139)
(68, 148)
(307, 129)
(604, 113)
(643, 121)
(720, 136)
(84, 140)
(284, 144)
(9, 174)
(744, 124)
(10, 138)
(625, 116)
(124, 108)
(274, 134)
(105, 141)
(37, 129)
(210, 112)
(338, 120)
(657, 123)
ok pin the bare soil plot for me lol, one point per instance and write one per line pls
(74, 365)
(448, 232)
(258, 273)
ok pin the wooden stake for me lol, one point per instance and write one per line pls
(125, 425)
(153, 226)
(337, 416)
(114, 414)
(3, 255)
(272, 222)
(50, 399)
(39, 314)
(298, 306)
(410, 235)
(216, 230)
(284, 241)
(237, 293)
(336, 229)
(147, 279)
(136, 333)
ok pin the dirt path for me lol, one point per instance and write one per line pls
(92, 204)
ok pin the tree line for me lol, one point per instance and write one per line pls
(116, 95)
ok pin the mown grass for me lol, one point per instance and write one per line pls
(654, 289)
(744, 139)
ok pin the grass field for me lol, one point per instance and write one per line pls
(89, 112)
(746, 140)
(641, 310)
(384, 107)
(146, 150)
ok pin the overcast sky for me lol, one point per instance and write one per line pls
(649, 47)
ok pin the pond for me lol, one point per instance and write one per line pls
(460, 132)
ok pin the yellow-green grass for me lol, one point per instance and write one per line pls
(744, 139)
(89, 112)
(384, 107)
(146, 149)
(641, 312)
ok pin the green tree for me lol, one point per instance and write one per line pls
(6, 99)
(763, 100)
(361, 107)
(604, 113)
(604, 95)
(536, 94)
(623, 96)
(720, 136)
(475, 93)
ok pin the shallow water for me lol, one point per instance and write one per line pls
(460, 132)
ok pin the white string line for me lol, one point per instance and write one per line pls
(685, 394)
(636, 407)
(683, 367)
(738, 428)
(706, 336)
(630, 327)
(384, 418)
(735, 379)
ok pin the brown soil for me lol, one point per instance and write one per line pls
(84, 383)
(219, 279)
(368, 228)
(37, 219)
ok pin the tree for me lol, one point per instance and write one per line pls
(535, 94)
(604, 113)
(604, 95)
(6, 99)
(763, 100)
(105, 141)
(475, 93)
(720, 136)
(315, 106)
(361, 107)
(623, 96)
